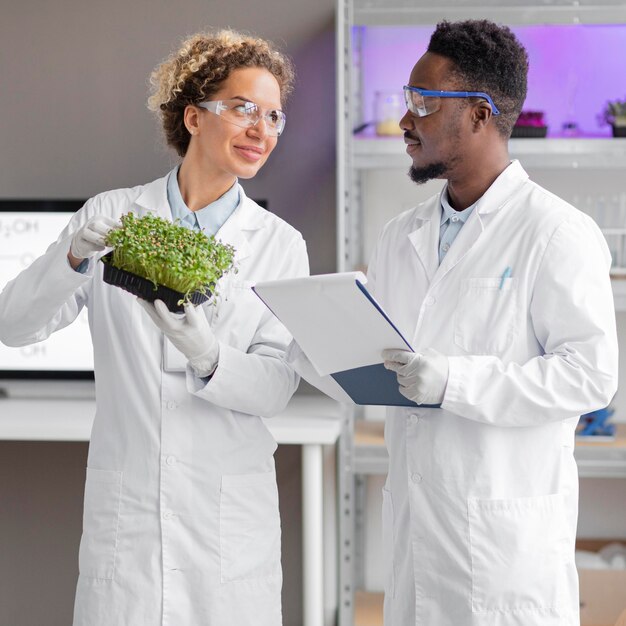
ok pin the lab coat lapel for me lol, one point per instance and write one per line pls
(463, 243)
(245, 218)
(425, 237)
(153, 199)
(494, 199)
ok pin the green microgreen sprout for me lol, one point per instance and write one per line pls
(169, 254)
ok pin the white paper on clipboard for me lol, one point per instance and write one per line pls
(337, 323)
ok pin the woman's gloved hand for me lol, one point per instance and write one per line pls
(89, 239)
(190, 333)
(423, 377)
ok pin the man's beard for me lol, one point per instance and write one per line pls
(421, 175)
(440, 169)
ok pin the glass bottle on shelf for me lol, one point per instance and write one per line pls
(389, 108)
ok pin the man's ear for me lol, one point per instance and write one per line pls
(481, 114)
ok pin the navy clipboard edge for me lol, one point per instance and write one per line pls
(351, 381)
(367, 294)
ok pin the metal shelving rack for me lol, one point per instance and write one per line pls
(610, 153)
(356, 155)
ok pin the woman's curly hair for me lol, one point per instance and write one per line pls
(196, 71)
(489, 58)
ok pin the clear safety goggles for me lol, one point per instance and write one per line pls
(423, 102)
(246, 114)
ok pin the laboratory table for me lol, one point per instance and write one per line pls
(309, 421)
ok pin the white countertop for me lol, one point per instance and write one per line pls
(306, 420)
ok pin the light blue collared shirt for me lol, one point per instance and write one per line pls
(208, 219)
(451, 223)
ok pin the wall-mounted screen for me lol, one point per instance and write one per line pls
(27, 228)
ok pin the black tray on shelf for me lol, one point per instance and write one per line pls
(529, 132)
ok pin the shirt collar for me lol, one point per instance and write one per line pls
(447, 211)
(211, 217)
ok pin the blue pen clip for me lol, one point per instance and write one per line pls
(506, 274)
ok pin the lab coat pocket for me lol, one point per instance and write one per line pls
(388, 544)
(98, 544)
(249, 527)
(518, 551)
(485, 317)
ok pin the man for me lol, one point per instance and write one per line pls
(503, 291)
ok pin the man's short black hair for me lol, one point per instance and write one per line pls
(488, 57)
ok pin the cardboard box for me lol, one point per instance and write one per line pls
(602, 596)
(602, 591)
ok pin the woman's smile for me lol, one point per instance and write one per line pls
(250, 153)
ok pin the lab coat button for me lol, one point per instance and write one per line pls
(171, 405)
(416, 478)
(429, 301)
(170, 460)
(168, 515)
(414, 418)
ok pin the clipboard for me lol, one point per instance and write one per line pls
(342, 330)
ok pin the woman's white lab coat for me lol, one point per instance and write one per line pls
(181, 522)
(480, 503)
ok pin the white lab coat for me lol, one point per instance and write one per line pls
(480, 502)
(181, 523)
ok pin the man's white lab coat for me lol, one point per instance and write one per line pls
(480, 503)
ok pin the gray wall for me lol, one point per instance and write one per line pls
(73, 123)
(73, 120)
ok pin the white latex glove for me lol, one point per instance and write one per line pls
(89, 239)
(422, 377)
(190, 333)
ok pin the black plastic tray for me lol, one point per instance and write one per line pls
(529, 132)
(143, 288)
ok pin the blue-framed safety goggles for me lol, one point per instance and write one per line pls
(423, 102)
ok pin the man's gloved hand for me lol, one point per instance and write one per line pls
(422, 377)
(89, 239)
(190, 333)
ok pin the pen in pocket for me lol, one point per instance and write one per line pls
(506, 274)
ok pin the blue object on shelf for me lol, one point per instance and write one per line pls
(595, 424)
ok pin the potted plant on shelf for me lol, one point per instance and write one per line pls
(615, 114)
(156, 259)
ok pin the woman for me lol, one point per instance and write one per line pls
(181, 523)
